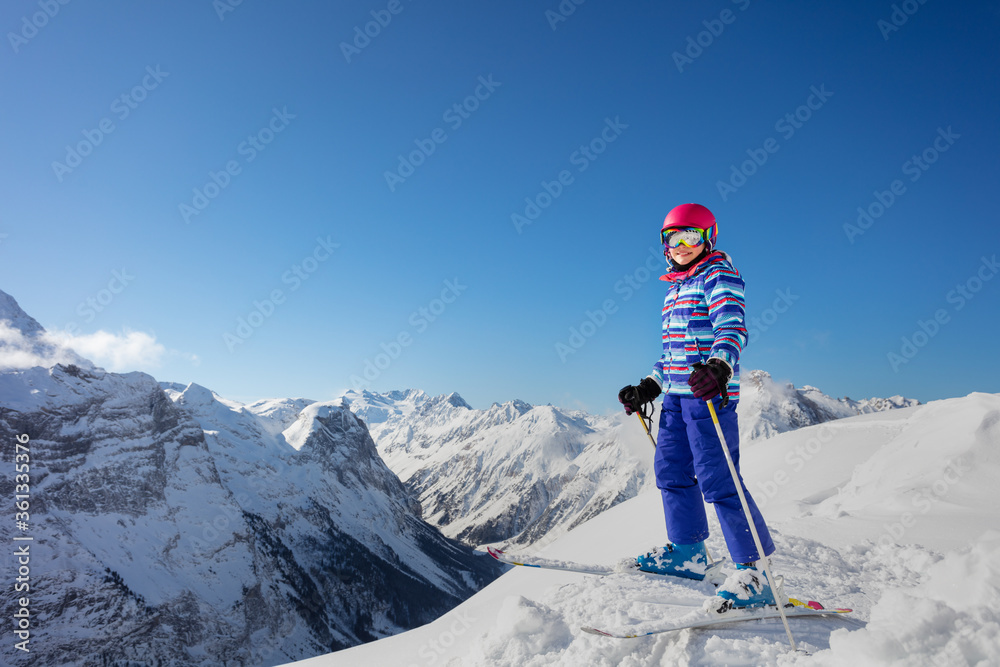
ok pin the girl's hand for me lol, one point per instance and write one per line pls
(710, 380)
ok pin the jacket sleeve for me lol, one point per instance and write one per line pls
(657, 373)
(727, 311)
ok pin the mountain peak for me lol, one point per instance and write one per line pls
(20, 320)
(405, 394)
(452, 399)
(24, 343)
(515, 405)
(195, 394)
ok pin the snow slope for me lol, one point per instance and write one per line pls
(893, 514)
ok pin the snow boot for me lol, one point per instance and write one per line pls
(678, 560)
(747, 587)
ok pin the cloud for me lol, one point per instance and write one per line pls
(18, 351)
(127, 351)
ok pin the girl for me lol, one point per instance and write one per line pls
(703, 335)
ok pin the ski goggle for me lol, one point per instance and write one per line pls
(690, 237)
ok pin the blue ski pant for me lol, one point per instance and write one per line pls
(690, 466)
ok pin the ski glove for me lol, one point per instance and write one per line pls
(710, 380)
(634, 397)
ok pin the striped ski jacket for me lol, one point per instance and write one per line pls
(703, 317)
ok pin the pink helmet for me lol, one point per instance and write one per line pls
(693, 215)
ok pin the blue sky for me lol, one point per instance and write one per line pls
(172, 169)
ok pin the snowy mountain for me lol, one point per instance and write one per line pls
(513, 473)
(516, 473)
(25, 343)
(893, 514)
(170, 526)
(768, 408)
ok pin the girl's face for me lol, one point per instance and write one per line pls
(683, 254)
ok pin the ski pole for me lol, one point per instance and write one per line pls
(646, 429)
(779, 597)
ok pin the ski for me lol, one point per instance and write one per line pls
(794, 608)
(713, 574)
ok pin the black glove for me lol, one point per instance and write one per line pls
(634, 397)
(709, 380)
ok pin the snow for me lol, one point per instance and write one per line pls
(886, 477)
(277, 414)
(892, 514)
(952, 618)
(307, 422)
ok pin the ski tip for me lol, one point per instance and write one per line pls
(813, 604)
(602, 633)
(496, 553)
